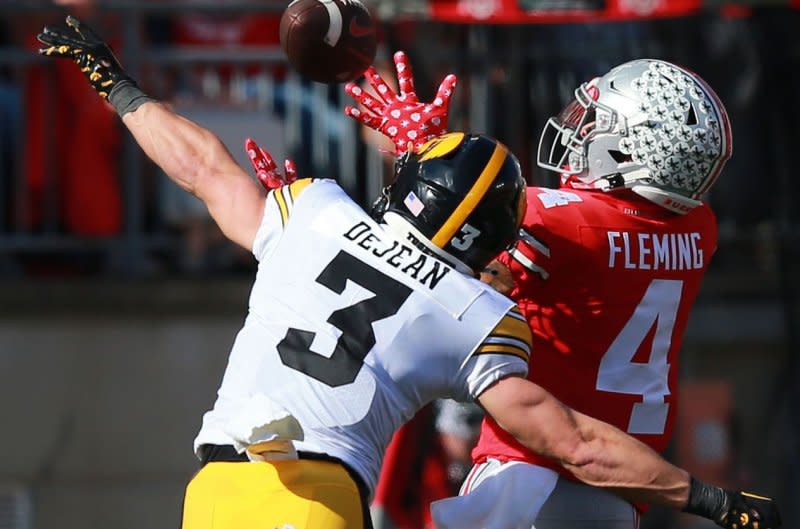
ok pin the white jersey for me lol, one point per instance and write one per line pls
(352, 331)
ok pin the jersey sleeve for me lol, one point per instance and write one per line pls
(505, 351)
(277, 210)
(530, 256)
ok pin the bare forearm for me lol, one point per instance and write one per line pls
(597, 453)
(184, 150)
(609, 458)
(196, 159)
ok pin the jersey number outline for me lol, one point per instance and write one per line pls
(354, 321)
(619, 374)
(551, 198)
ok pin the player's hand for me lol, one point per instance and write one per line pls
(94, 57)
(749, 511)
(266, 170)
(405, 120)
(498, 276)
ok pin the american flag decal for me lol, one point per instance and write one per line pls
(414, 204)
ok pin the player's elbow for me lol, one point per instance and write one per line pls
(585, 459)
(574, 449)
(569, 444)
(582, 454)
(569, 451)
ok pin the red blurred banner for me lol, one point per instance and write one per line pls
(555, 11)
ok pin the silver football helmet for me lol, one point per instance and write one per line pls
(647, 125)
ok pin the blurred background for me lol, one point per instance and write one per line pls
(120, 299)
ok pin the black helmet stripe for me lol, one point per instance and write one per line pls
(472, 198)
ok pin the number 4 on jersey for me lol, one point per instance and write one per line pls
(619, 374)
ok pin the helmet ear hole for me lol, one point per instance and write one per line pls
(620, 157)
(691, 118)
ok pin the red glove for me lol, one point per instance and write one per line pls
(266, 170)
(402, 118)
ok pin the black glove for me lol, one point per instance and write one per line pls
(78, 42)
(732, 509)
(747, 510)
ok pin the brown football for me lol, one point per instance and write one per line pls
(328, 41)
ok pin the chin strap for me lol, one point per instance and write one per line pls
(671, 201)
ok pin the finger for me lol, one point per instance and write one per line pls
(54, 33)
(405, 77)
(380, 89)
(356, 92)
(355, 113)
(373, 122)
(249, 145)
(269, 180)
(56, 51)
(291, 171)
(80, 28)
(379, 85)
(54, 37)
(66, 32)
(445, 91)
(259, 158)
(349, 88)
(267, 157)
(46, 37)
(263, 179)
(253, 153)
(77, 28)
(74, 23)
(368, 100)
(85, 33)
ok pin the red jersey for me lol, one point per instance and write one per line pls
(606, 282)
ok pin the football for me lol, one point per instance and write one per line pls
(328, 41)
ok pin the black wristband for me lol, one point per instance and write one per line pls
(126, 97)
(707, 500)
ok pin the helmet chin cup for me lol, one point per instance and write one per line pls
(381, 203)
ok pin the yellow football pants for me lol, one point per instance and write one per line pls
(297, 494)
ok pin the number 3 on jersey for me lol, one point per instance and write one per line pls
(355, 322)
(619, 374)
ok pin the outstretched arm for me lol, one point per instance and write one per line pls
(192, 156)
(603, 456)
(595, 452)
